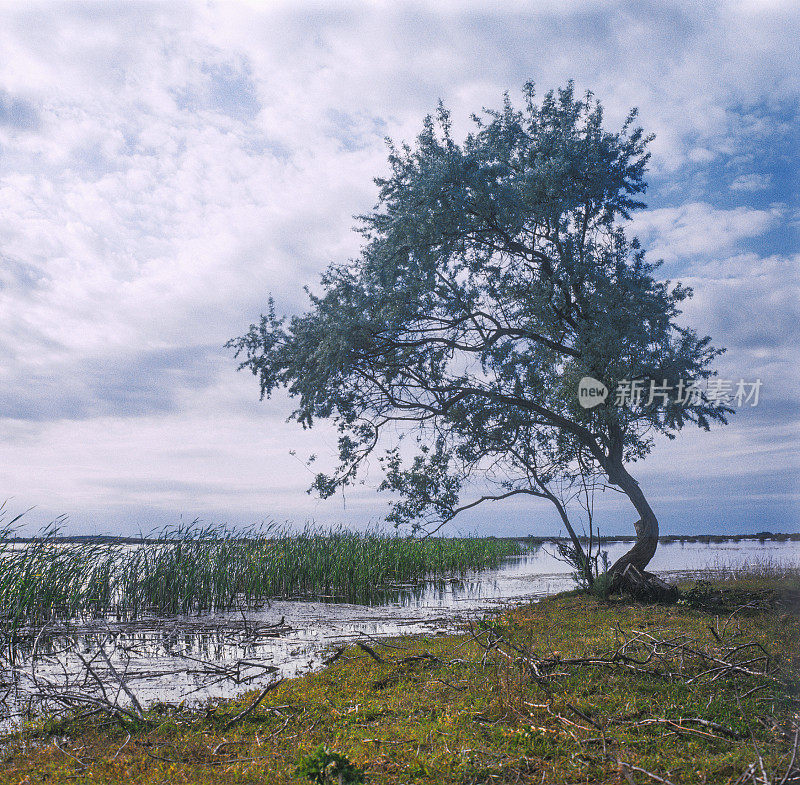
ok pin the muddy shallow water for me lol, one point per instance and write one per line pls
(196, 658)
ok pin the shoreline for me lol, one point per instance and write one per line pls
(539, 693)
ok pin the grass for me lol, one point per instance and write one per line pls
(754, 569)
(193, 569)
(468, 709)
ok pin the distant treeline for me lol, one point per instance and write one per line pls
(667, 538)
(89, 539)
(100, 539)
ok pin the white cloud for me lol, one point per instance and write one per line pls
(163, 167)
(751, 182)
(751, 306)
(697, 229)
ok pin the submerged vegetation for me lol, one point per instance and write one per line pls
(191, 569)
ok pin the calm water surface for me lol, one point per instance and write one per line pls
(220, 655)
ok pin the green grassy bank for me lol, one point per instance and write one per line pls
(569, 690)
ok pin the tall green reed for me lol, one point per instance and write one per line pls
(191, 568)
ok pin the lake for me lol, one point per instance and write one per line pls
(197, 658)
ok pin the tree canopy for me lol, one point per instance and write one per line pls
(494, 275)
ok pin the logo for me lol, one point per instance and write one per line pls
(643, 393)
(591, 392)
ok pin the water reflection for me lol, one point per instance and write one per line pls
(194, 658)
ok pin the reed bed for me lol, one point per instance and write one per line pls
(191, 569)
(757, 567)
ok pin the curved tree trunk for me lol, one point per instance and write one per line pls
(646, 527)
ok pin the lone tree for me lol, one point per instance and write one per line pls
(495, 275)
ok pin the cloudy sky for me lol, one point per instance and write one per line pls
(164, 167)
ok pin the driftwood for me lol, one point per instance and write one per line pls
(252, 707)
(673, 658)
(64, 674)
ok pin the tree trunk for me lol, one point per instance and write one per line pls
(585, 565)
(646, 527)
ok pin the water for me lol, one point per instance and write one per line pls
(197, 658)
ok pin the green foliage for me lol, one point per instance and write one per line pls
(491, 623)
(697, 595)
(591, 568)
(193, 568)
(494, 275)
(602, 585)
(326, 766)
